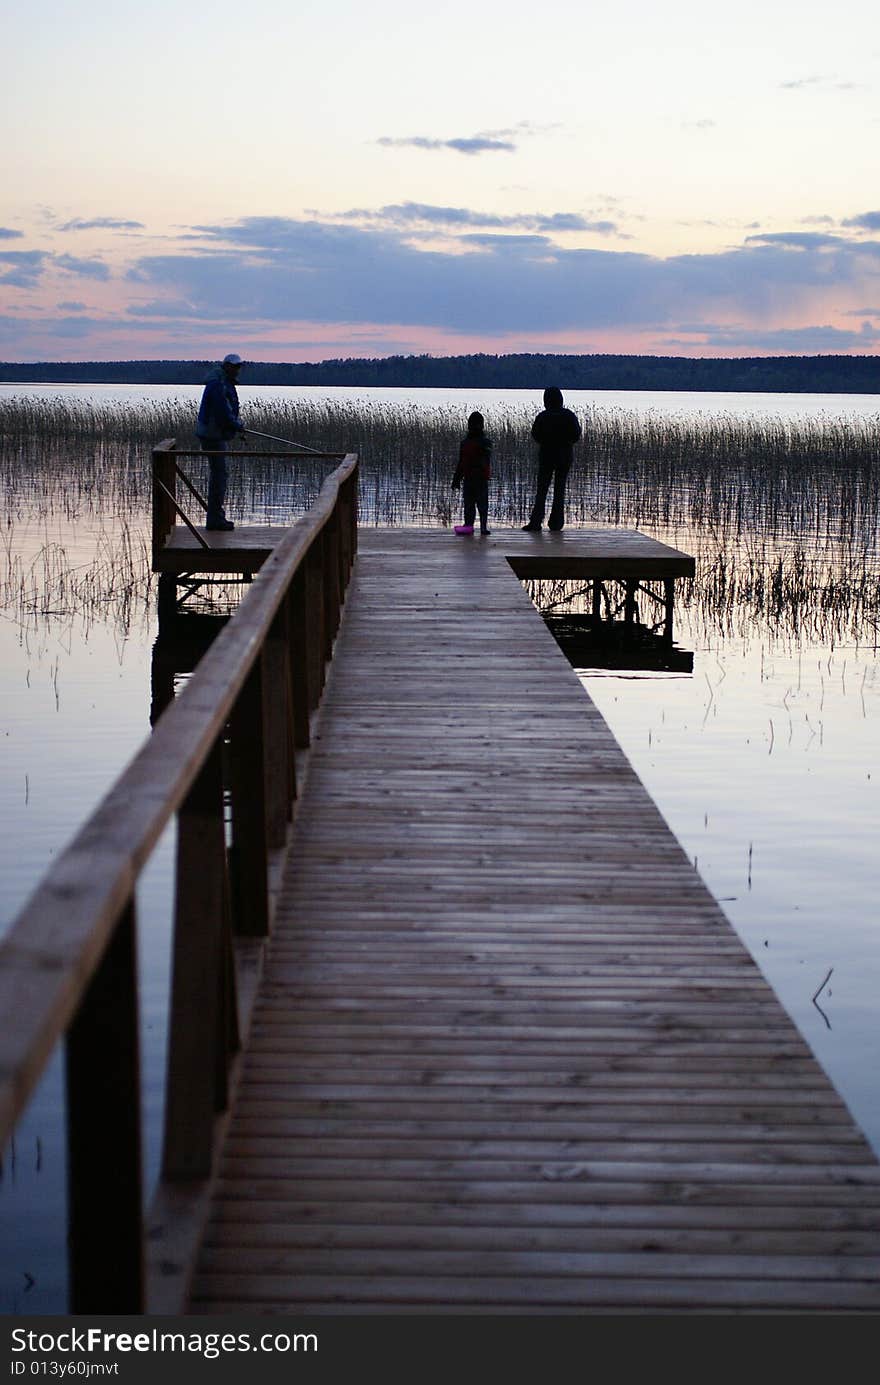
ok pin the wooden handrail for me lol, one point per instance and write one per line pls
(63, 956)
(166, 473)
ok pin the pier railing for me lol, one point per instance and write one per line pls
(167, 495)
(222, 759)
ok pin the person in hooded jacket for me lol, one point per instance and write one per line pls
(218, 423)
(555, 430)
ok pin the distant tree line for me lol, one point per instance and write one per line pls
(782, 374)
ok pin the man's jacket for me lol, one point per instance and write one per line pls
(555, 431)
(218, 411)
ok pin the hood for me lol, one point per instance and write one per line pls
(552, 398)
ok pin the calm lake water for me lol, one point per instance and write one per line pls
(764, 761)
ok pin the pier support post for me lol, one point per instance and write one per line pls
(167, 603)
(597, 602)
(668, 602)
(629, 606)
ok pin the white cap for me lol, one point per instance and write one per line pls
(232, 359)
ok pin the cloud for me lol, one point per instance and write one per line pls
(102, 223)
(275, 269)
(791, 341)
(867, 221)
(22, 269)
(475, 144)
(797, 240)
(15, 329)
(798, 83)
(486, 278)
(725, 224)
(508, 244)
(7, 234)
(818, 81)
(86, 269)
(425, 213)
(163, 308)
(484, 142)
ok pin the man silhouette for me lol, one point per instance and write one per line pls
(555, 430)
(217, 424)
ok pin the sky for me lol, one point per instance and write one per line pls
(301, 183)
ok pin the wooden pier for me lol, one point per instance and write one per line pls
(472, 1036)
(508, 1053)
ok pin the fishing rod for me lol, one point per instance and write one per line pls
(287, 443)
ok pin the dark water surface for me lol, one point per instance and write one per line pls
(765, 761)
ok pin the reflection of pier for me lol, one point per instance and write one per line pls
(612, 644)
(181, 642)
(504, 1052)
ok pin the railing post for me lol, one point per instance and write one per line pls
(164, 471)
(354, 491)
(297, 639)
(597, 601)
(629, 607)
(277, 720)
(105, 1216)
(668, 606)
(344, 508)
(199, 1031)
(331, 581)
(314, 568)
(248, 856)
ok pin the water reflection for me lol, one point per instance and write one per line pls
(612, 645)
(182, 640)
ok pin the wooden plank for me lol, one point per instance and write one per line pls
(229, 1292)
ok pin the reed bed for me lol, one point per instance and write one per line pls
(819, 475)
(783, 515)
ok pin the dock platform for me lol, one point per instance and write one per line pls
(508, 1054)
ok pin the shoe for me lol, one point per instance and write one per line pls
(531, 528)
(555, 528)
(464, 528)
(485, 532)
(223, 525)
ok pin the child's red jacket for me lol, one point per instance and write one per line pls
(474, 459)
